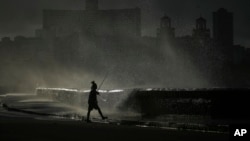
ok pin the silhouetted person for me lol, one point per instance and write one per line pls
(93, 104)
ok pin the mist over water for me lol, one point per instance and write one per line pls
(128, 64)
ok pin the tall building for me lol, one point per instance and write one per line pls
(166, 32)
(201, 31)
(223, 28)
(92, 21)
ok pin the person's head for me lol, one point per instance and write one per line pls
(94, 86)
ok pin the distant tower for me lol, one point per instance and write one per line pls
(91, 4)
(201, 23)
(165, 31)
(223, 27)
(201, 31)
(165, 22)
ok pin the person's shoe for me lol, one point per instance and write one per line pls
(103, 118)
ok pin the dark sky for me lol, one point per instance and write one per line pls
(22, 17)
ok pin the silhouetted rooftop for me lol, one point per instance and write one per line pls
(201, 19)
(165, 17)
(222, 10)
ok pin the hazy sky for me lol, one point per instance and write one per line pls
(22, 17)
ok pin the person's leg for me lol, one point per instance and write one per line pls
(88, 114)
(100, 112)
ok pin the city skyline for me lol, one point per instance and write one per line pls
(26, 16)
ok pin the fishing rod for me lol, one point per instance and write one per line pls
(101, 86)
(103, 80)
